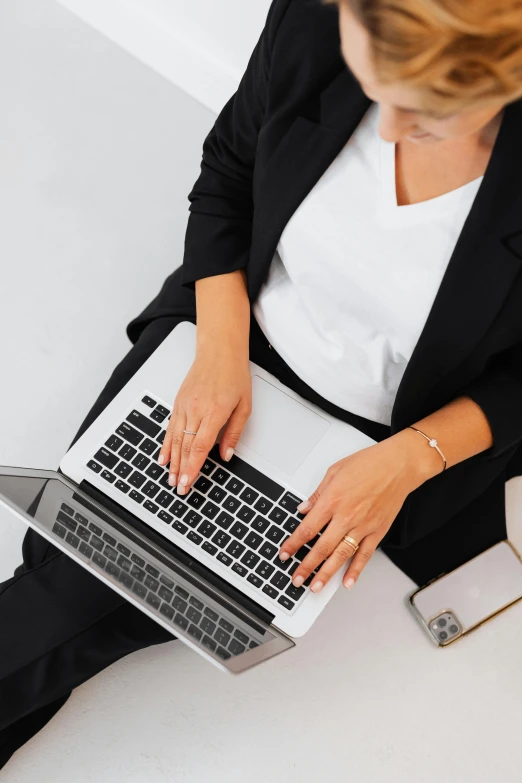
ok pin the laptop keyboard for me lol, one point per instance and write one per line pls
(232, 511)
(206, 624)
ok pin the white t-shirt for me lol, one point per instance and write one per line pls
(354, 276)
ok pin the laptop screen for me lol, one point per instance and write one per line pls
(168, 590)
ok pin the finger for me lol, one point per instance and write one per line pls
(339, 556)
(308, 529)
(233, 430)
(173, 442)
(194, 451)
(360, 559)
(323, 549)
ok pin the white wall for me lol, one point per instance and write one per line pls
(202, 46)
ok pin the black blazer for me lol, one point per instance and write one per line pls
(295, 108)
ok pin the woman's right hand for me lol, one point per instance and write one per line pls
(216, 391)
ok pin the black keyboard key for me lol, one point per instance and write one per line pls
(155, 471)
(193, 614)
(83, 533)
(236, 648)
(122, 486)
(280, 580)
(151, 583)
(208, 642)
(195, 499)
(166, 581)
(239, 569)
(178, 508)
(192, 536)
(245, 514)
(137, 479)
(220, 476)
(302, 553)
(202, 484)
(291, 524)
(223, 653)
(95, 529)
(123, 469)
(290, 502)
(277, 515)
(272, 592)
(110, 477)
(283, 564)
(150, 489)
(217, 494)
(234, 485)
(99, 559)
(181, 591)
(208, 467)
(129, 434)
(150, 569)
(210, 548)
(181, 621)
(179, 604)
(211, 613)
(243, 638)
(69, 523)
(112, 569)
(210, 510)
(92, 465)
(248, 474)
(149, 447)
(226, 625)
(268, 550)
(123, 549)
(164, 499)
(109, 539)
(138, 560)
(165, 593)
(226, 559)
(139, 589)
(255, 580)
(181, 528)
(106, 458)
(160, 437)
(167, 610)
(165, 517)
(80, 518)
(264, 569)
(275, 534)
(143, 424)
(231, 504)
(293, 567)
(253, 540)
(222, 636)
(59, 530)
(207, 625)
(221, 538)
(137, 573)
(192, 519)
(249, 495)
(124, 563)
(286, 602)
(97, 543)
(153, 600)
(68, 510)
(85, 549)
(235, 549)
(127, 452)
(195, 631)
(260, 524)
(136, 496)
(158, 416)
(295, 592)
(140, 461)
(238, 530)
(150, 506)
(224, 520)
(125, 579)
(149, 402)
(263, 505)
(110, 552)
(250, 559)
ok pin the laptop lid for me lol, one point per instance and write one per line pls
(161, 580)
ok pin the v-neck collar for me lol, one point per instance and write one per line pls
(446, 203)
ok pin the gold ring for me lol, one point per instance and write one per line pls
(352, 542)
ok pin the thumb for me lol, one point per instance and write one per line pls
(232, 432)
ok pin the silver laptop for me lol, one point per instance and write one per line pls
(203, 565)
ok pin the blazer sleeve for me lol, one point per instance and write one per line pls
(219, 229)
(498, 391)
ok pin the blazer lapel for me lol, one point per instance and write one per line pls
(482, 267)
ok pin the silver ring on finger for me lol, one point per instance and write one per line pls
(189, 432)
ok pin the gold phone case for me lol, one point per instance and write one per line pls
(454, 604)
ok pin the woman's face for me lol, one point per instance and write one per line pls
(400, 116)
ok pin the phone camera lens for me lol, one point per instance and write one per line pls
(442, 622)
(454, 628)
(443, 635)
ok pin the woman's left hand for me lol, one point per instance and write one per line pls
(360, 496)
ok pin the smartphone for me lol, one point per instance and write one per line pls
(454, 604)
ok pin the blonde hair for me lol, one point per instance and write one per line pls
(455, 53)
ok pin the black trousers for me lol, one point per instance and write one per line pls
(47, 649)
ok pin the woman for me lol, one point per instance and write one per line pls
(357, 232)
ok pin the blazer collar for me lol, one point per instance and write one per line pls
(485, 261)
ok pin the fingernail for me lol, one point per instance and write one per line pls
(284, 556)
(298, 581)
(228, 453)
(304, 506)
(316, 587)
(349, 583)
(184, 480)
(162, 459)
(172, 479)
(181, 490)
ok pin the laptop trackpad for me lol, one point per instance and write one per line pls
(280, 429)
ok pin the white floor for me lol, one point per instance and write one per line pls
(97, 156)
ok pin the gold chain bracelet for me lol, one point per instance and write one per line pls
(433, 443)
